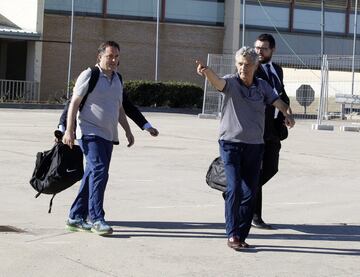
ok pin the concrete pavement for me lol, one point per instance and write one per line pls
(167, 222)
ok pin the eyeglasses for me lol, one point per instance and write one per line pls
(261, 48)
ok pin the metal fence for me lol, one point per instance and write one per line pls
(311, 83)
(19, 91)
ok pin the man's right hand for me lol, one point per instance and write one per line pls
(69, 138)
(200, 68)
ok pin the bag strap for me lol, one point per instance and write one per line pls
(120, 77)
(95, 73)
(51, 200)
(50, 204)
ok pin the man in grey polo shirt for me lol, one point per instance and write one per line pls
(96, 132)
(241, 138)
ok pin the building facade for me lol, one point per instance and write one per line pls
(188, 30)
(20, 49)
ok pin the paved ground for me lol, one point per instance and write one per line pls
(167, 222)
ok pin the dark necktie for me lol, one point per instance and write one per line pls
(274, 81)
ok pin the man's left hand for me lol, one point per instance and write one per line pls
(130, 138)
(289, 121)
(154, 132)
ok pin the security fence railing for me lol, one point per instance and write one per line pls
(19, 91)
(311, 83)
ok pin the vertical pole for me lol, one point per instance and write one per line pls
(243, 23)
(320, 107)
(354, 48)
(157, 41)
(205, 86)
(327, 90)
(70, 49)
(353, 55)
(322, 27)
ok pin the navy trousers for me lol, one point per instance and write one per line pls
(90, 199)
(270, 166)
(242, 163)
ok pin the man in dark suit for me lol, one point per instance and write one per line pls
(275, 129)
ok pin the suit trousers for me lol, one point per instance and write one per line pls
(90, 199)
(270, 166)
(242, 167)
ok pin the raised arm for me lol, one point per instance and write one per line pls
(207, 72)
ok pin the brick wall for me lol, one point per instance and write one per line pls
(179, 46)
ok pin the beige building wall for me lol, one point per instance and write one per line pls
(179, 46)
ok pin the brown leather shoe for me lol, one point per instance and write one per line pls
(236, 244)
(233, 243)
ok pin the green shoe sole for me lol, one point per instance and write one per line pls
(77, 229)
(102, 233)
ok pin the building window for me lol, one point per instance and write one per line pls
(267, 16)
(132, 8)
(80, 6)
(351, 24)
(310, 20)
(208, 12)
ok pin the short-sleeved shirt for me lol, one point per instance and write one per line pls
(100, 113)
(243, 110)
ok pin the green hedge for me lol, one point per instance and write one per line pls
(164, 94)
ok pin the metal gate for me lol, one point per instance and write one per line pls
(327, 77)
(19, 91)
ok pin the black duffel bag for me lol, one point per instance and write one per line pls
(57, 169)
(215, 177)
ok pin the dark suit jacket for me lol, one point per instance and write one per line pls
(131, 111)
(274, 129)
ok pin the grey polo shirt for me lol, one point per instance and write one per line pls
(243, 110)
(100, 113)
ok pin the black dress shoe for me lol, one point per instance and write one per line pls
(261, 224)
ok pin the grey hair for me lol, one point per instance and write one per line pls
(248, 52)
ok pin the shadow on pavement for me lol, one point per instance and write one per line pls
(168, 229)
(334, 232)
(307, 250)
(167, 225)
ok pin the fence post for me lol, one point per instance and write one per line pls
(205, 86)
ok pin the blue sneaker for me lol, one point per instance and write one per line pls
(78, 224)
(101, 228)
